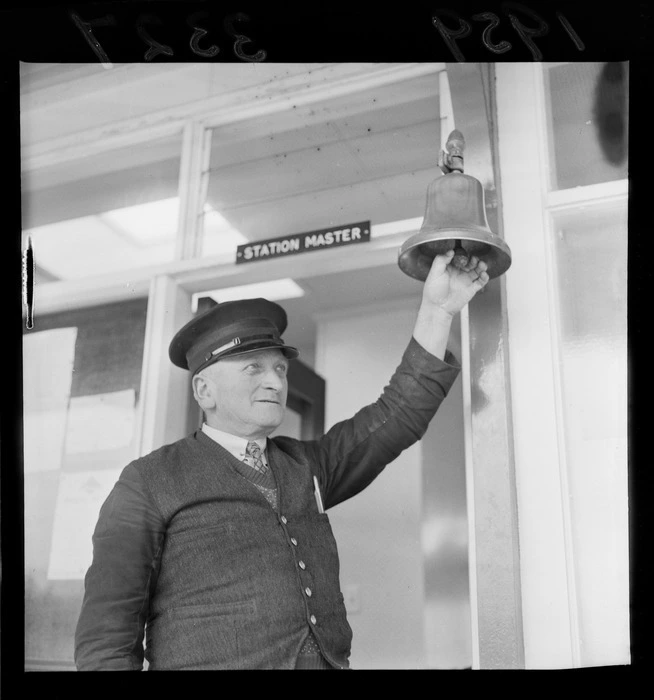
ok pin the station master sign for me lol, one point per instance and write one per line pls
(304, 242)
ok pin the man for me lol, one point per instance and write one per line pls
(217, 546)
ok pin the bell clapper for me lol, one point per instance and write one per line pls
(460, 259)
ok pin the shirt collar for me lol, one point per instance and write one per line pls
(232, 443)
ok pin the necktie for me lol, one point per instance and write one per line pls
(253, 457)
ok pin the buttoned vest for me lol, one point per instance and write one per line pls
(235, 584)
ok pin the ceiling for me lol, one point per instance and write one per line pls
(368, 156)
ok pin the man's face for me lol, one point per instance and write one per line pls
(249, 391)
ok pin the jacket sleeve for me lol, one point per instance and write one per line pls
(127, 545)
(353, 452)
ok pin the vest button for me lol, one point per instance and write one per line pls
(283, 519)
(307, 590)
(302, 565)
(294, 541)
(313, 619)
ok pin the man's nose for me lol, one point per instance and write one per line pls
(273, 380)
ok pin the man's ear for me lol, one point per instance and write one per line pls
(202, 391)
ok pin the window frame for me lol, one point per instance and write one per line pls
(551, 603)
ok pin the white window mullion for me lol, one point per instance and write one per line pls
(544, 524)
(604, 194)
(565, 491)
(164, 387)
(193, 182)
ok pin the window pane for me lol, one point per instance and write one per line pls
(591, 259)
(588, 123)
(82, 374)
(108, 213)
(363, 157)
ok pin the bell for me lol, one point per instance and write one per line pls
(455, 219)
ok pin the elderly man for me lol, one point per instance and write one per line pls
(217, 547)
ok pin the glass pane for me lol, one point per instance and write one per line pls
(591, 260)
(363, 157)
(114, 211)
(588, 119)
(82, 373)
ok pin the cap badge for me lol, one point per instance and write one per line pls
(233, 342)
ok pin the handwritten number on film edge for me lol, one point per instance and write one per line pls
(503, 46)
(87, 32)
(571, 32)
(449, 35)
(199, 34)
(241, 39)
(526, 33)
(156, 48)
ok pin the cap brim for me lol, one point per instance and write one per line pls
(289, 351)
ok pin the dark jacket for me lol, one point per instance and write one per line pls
(188, 549)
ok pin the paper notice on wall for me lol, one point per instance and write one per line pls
(48, 358)
(80, 496)
(101, 422)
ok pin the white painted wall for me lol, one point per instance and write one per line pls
(379, 531)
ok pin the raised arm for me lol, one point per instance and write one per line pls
(353, 452)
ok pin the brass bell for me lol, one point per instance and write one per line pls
(455, 218)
